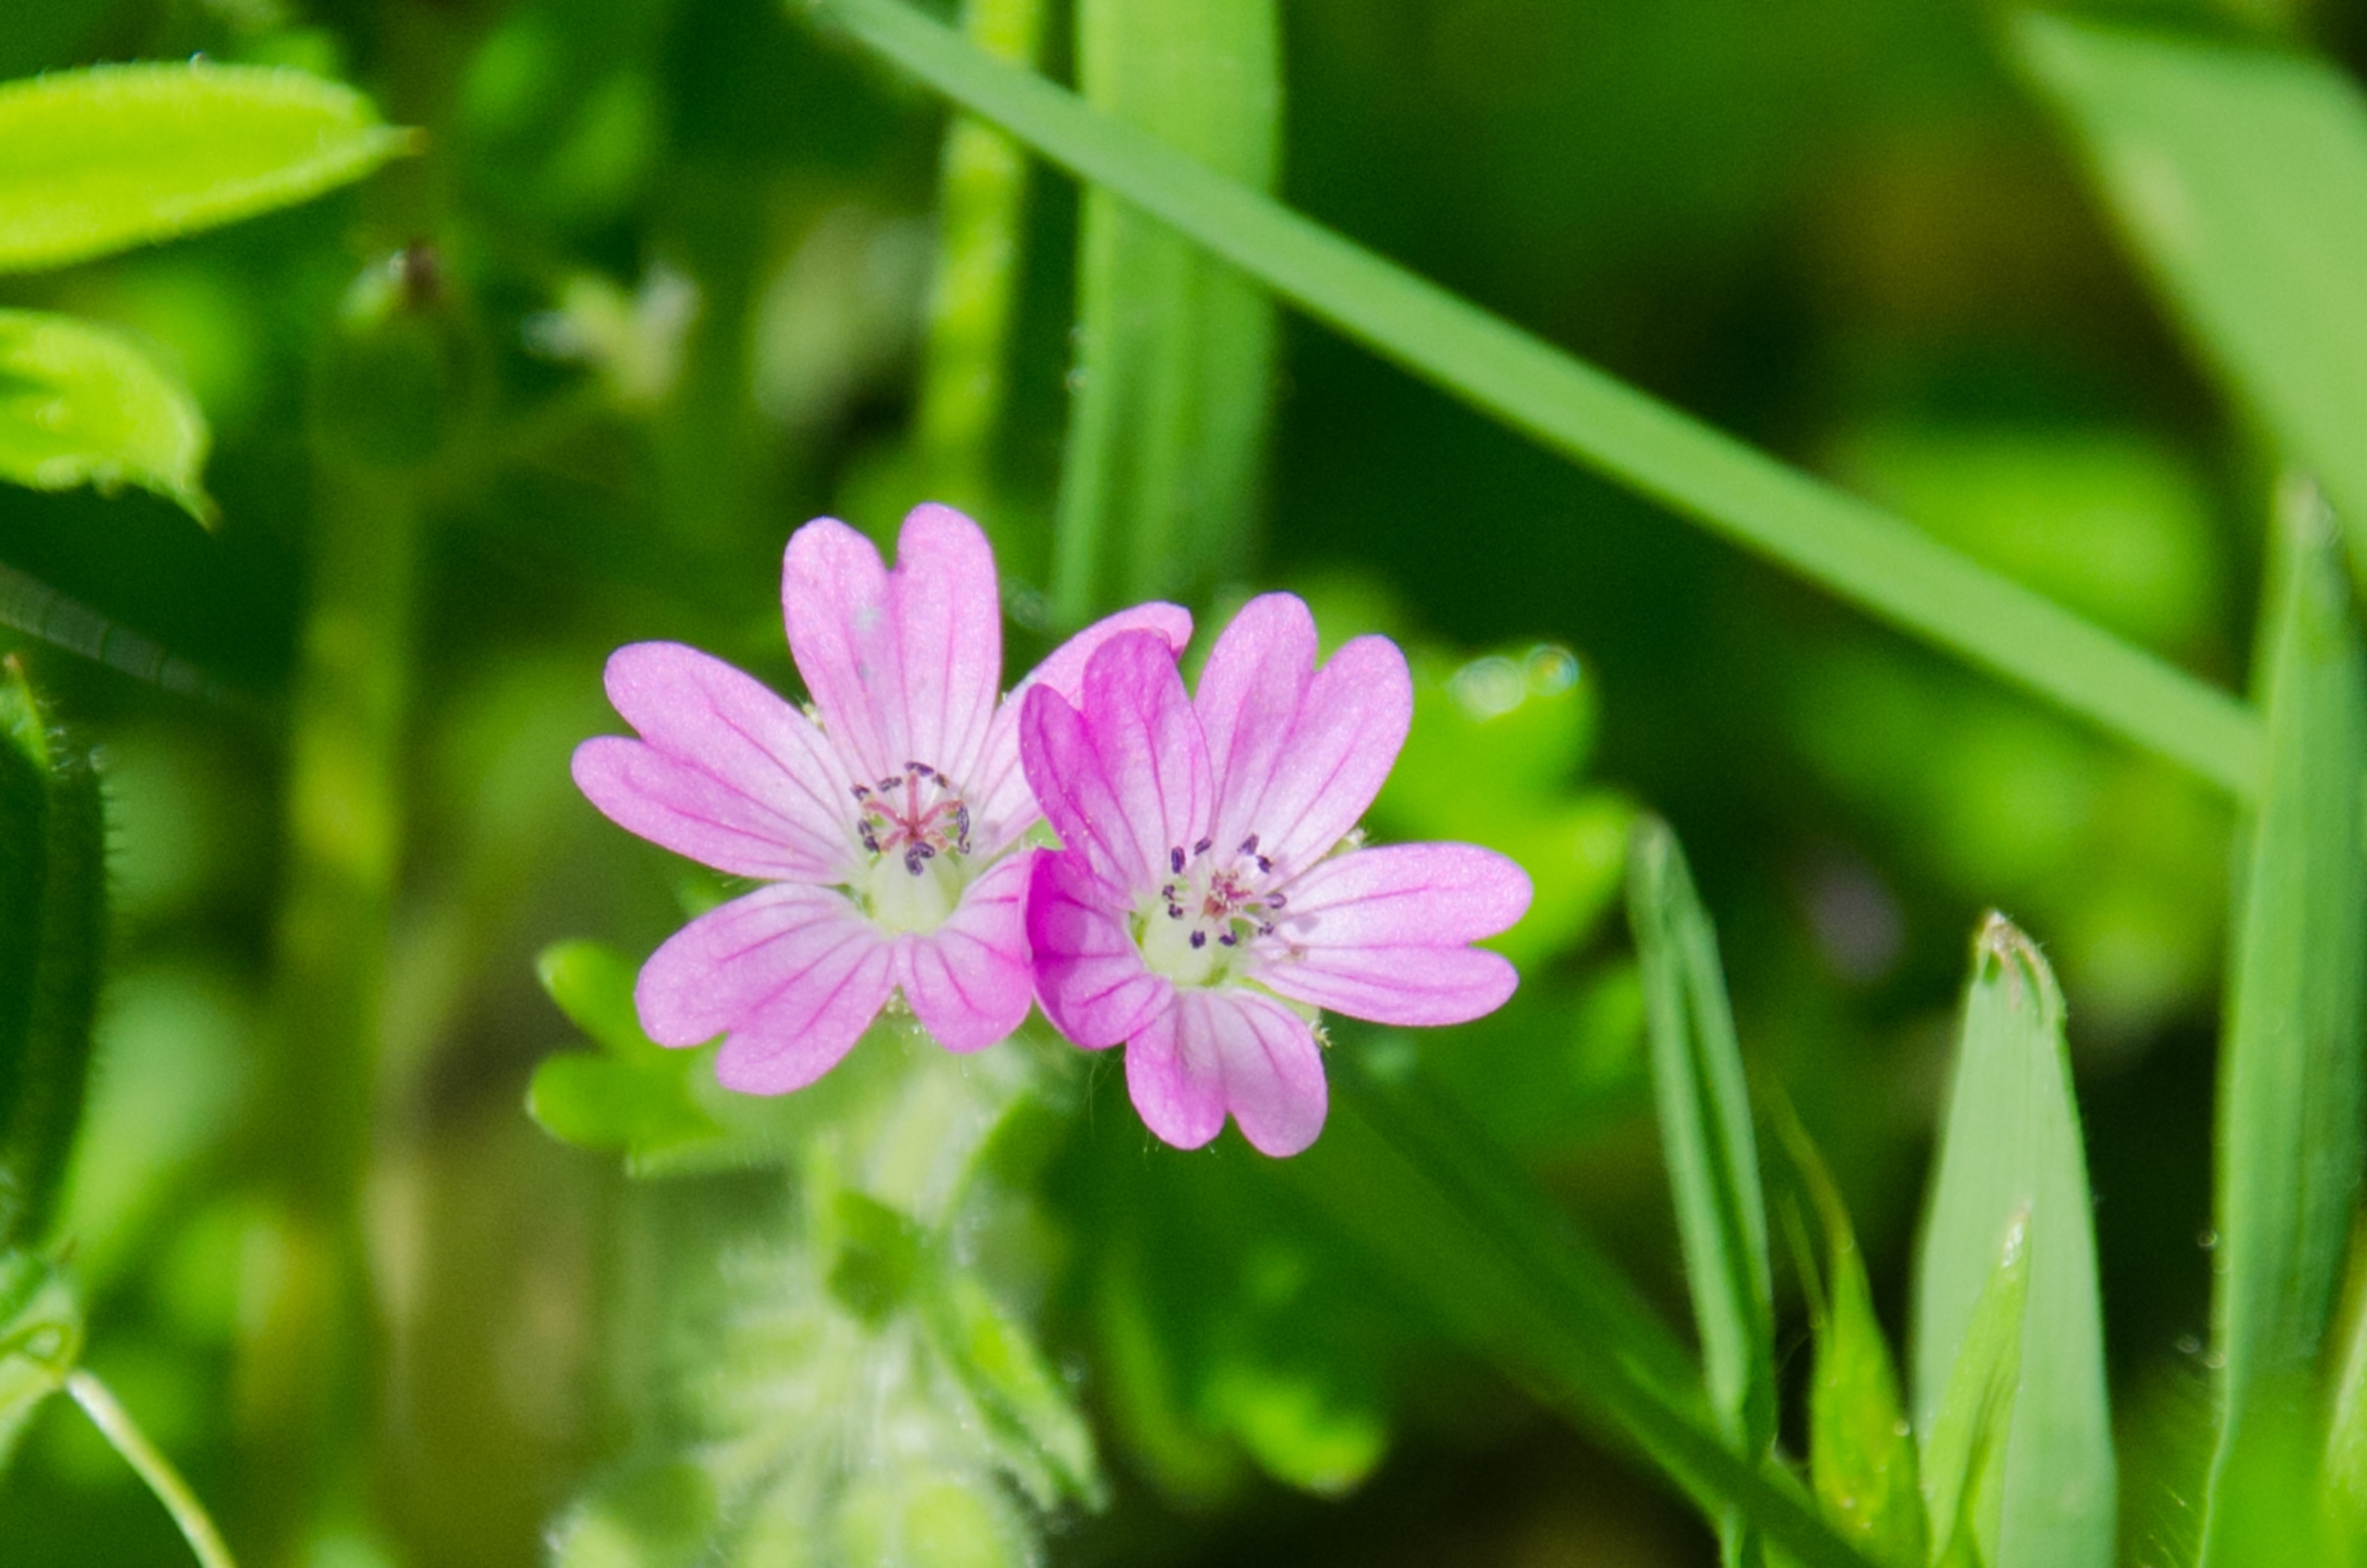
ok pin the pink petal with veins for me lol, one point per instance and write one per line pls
(791, 975)
(1301, 783)
(1229, 1050)
(1089, 974)
(1380, 934)
(1005, 805)
(968, 981)
(725, 772)
(1129, 784)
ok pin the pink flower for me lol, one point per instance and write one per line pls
(1198, 910)
(882, 820)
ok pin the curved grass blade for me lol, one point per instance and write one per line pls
(2289, 1086)
(1472, 1241)
(2238, 176)
(1862, 1447)
(2010, 1160)
(1851, 548)
(82, 405)
(52, 935)
(1175, 349)
(103, 159)
(1712, 1157)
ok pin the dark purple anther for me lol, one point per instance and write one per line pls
(1200, 939)
(1176, 861)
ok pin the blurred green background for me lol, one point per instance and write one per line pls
(679, 254)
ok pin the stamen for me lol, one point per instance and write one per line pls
(1199, 849)
(1200, 939)
(1249, 845)
(1176, 861)
(1226, 940)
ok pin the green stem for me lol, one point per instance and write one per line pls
(124, 1435)
(982, 207)
(1855, 550)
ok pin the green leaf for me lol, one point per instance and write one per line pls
(2010, 1161)
(1965, 1444)
(2289, 1086)
(1470, 1241)
(1862, 1448)
(40, 1339)
(1175, 349)
(53, 935)
(113, 156)
(2239, 176)
(636, 1098)
(1853, 549)
(85, 405)
(1711, 1155)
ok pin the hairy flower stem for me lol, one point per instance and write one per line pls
(124, 1436)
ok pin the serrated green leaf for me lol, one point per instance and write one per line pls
(2239, 176)
(40, 1339)
(82, 404)
(1862, 1446)
(102, 159)
(2010, 1160)
(1964, 1469)
(2290, 1089)
(1175, 348)
(53, 935)
(1711, 1153)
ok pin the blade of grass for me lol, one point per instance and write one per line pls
(1175, 349)
(1851, 548)
(1862, 1447)
(2010, 1157)
(2238, 175)
(1712, 1157)
(2289, 1086)
(1472, 1241)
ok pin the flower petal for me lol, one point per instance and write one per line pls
(949, 627)
(1302, 795)
(968, 980)
(1175, 1081)
(1226, 1050)
(1380, 934)
(843, 633)
(793, 975)
(1089, 974)
(1126, 778)
(725, 772)
(1248, 702)
(1006, 807)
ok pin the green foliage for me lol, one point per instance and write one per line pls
(1711, 1155)
(1862, 1446)
(1965, 1443)
(1175, 350)
(2011, 1165)
(1852, 549)
(635, 1098)
(1491, 758)
(85, 405)
(2290, 1084)
(53, 933)
(2239, 176)
(102, 159)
